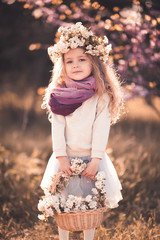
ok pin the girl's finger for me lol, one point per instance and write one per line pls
(68, 172)
(93, 178)
(65, 171)
(84, 174)
(88, 176)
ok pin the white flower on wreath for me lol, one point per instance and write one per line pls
(94, 191)
(49, 212)
(93, 204)
(77, 166)
(99, 48)
(105, 40)
(55, 202)
(52, 204)
(99, 184)
(41, 216)
(62, 201)
(69, 203)
(71, 197)
(108, 48)
(76, 36)
(66, 209)
(41, 206)
(74, 42)
(89, 47)
(88, 198)
(78, 201)
(47, 192)
(83, 207)
(103, 191)
(100, 176)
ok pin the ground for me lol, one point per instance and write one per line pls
(24, 151)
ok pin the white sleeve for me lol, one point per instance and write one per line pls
(101, 128)
(58, 135)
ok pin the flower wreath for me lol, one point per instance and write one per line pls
(55, 203)
(79, 36)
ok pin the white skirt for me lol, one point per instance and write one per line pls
(83, 185)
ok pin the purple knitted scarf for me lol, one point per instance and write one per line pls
(66, 99)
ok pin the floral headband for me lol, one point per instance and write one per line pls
(79, 36)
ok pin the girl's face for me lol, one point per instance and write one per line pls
(77, 64)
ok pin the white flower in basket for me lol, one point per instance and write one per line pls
(55, 204)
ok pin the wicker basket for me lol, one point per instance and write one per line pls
(77, 220)
(80, 220)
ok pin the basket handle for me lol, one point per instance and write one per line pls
(55, 180)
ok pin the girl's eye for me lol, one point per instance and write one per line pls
(82, 59)
(69, 62)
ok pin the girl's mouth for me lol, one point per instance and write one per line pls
(77, 72)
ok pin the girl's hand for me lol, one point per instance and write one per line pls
(65, 165)
(92, 168)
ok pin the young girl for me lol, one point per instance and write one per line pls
(83, 99)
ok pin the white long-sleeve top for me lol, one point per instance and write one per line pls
(85, 131)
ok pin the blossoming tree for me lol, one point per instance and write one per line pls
(133, 33)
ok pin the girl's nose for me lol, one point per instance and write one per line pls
(75, 64)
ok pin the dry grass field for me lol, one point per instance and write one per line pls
(134, 147)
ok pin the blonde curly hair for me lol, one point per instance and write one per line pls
(107, 81)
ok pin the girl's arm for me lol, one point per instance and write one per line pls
(101, 128)
(59, 143)
(58, 135)
(65, 165)
(92, 168)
